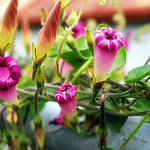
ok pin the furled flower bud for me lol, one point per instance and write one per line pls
(47, 34)
(39, 131)
(64, 68)
(79, 29)
(9, 77)
(8, 24)
(107, 42)
(66, 98)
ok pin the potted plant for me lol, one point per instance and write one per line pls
(81, 72)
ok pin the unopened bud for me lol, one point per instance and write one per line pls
(40, 79)
(39, 131)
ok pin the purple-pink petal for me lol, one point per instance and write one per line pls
(107, 43)
(64, 68)
(65, 96)
(9, 95)
(58, 120)
(79, 29)
(9, 77)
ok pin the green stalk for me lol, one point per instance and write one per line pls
(81, 69)
(36, 107)
(135, 130)
(67, 33)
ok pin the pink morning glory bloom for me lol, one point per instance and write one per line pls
(66, 97)
(79, 29)
(64, 68)
(9, 77)
(107, 42)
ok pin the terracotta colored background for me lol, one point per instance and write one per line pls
(29, 10)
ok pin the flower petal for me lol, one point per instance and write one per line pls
(65, 96)
(9, 95)
(64, 68)
(107, 43)
(4, 73)
(69, 109)
(79, 29)
(58, 120)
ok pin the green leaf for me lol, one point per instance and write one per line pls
(81, 43)
(101, 26)
(31, 111)
(116, 122)
(71, 56)
(55, 48)
(142, 104)
(120, 59)
(110, 105)
(106, 149)
(25, 82)
(117, 75)
(41, 106)
(137, 74)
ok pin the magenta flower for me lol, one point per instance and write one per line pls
(107, 43)
(64, 68)
(66, 98)
(58, 120)
(9, 77)
(79, 29)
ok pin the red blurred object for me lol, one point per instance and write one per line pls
(133, 9)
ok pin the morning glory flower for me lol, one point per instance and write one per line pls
(107, 43)
(9, 77)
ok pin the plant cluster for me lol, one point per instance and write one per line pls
(78, 67)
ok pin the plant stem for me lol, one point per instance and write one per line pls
(91, 107)
(32, 94)
(146, 80)
(135, 130)
(93, 97)
(1, 116)
(80, 55)
(124, 87)
(122, 94)
(130, 104)
(67, 33)
(97, 108)
(81, 69)
(36, 107)
(102, 142)
(144, 85)
(48, 85)
(147, 61)
(26, 114)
